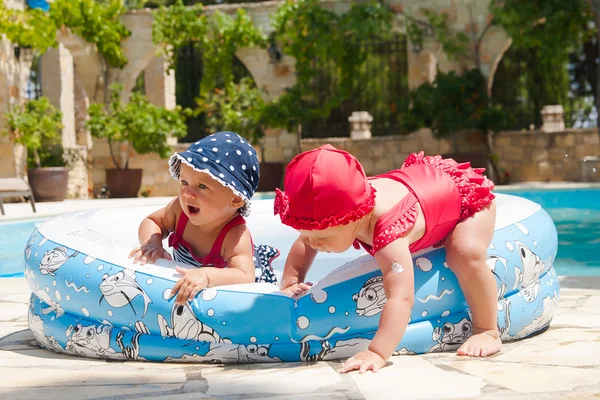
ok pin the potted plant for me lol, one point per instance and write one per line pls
(239, 107)
(142, 126)
(36, 125)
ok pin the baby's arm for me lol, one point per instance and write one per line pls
(153, 229)
(237, 251)
(396, 266)
(297, 264)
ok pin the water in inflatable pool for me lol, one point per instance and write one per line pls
(89, 299)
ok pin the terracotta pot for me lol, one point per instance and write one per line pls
(271, 175)
(124, 182)
(49, 184)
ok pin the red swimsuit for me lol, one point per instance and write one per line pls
(447, 191)
(182, 251)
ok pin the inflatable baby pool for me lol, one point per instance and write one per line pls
(89, 299)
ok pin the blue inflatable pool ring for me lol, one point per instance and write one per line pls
(89, 299)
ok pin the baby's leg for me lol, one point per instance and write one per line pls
(466, 249)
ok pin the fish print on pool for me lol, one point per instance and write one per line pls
(86, 306)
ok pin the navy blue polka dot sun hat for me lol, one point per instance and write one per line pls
(227, 158)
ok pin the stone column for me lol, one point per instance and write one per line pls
(7, 161)
(360, 124)
(13, 83)
(81, 105)
(553, 118)
(160, 83)
(58, 85)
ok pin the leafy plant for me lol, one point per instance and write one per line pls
(307, 31)
(214, 38)
(95, 22)
(453, 103)
(218, 35)
(543, 33)
(454, 44)
(321, 39)
(142, 125)
(36, 125)
(30, 28)
(238, 107)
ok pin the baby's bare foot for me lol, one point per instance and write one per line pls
(483, 343)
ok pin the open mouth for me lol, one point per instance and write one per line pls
(193, 210)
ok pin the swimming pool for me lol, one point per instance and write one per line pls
(576, 213)
(13, 236)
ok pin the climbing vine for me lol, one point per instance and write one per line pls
(453, 43)
(306, 31)
(31, 28)
(95, 22)
(217, 35)
(319, 39)
(543, 33)
(237, 107)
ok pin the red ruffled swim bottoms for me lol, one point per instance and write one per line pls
(448, 192)
(474, 188)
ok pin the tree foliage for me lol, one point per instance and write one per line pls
(238, 107)
(454, 44)
(96, 22)
(544, 33)
(548, 26)
(453, 103)
(318, 38)
(218, 35)
(321, 39)
(133, 4)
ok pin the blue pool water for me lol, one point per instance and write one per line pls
(576, 213)
(13, 236)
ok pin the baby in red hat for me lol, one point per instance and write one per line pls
(429, 201)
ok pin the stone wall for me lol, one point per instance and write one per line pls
(526, 156)
(156, 180)
(13, 78)
(471, 18)
(540, 156)
(381, 154)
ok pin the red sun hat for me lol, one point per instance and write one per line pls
(324, 187)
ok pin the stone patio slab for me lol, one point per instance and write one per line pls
(412, 377)
(561, 363)
(529, 378)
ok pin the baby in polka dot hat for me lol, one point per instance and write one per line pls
(218, 176)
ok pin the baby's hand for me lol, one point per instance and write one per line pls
(192, 282)
(363, 361)
(149, 253)
(297, 289)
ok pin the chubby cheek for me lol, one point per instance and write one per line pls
(182, 201)
(339, 246)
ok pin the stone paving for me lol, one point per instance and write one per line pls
(563, 362)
